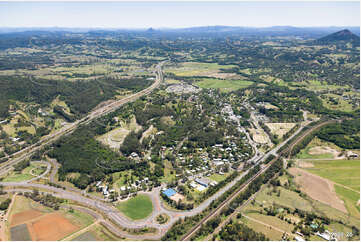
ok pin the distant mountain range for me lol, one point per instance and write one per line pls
(307, 32)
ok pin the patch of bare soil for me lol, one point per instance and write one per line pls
(318, 188)
(23, 217)
(304, 164)
(320, 150)
(259, 136)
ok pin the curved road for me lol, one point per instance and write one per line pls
(106, 208)
(114, 215)
(48, 139)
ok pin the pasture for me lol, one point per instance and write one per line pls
(43, 223)
(223, 85)
(200, 69)
(345, 174)
(287, 198)
(138, 207)
(52, 227)
(337, 102)
(258, 226)
(317, 188)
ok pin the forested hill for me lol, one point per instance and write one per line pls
(80, 96)
(340, 36)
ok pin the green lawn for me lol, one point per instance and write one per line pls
(217, 177)
(224, 85)
(17, 177)
(138, 207)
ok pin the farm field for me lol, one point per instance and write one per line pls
(317, 188)
(20, 233)
(87, 236)
(268, 198)
(223, 85)
(43, 223)
(200, 69)
(270, 233)
(137, 207)
(345, 174)
(52, 227)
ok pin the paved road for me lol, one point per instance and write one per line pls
(123, 221)
(108, 209)
(274, 151)
(48, 139)
(48, 168)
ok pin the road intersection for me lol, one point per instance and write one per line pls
(113, 219)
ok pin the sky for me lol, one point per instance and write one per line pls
(178, 14)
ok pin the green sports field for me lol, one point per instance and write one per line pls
(138, 207)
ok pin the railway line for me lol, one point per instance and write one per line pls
(216, 211)
(114, 215)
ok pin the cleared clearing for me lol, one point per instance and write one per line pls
(319, 149)
(259, 136)
(148, 132)
(280, 129)
(115, 137)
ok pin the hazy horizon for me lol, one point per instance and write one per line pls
(172, 15)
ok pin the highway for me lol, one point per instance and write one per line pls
(107, 210)
(122, 221)
(48, 139)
